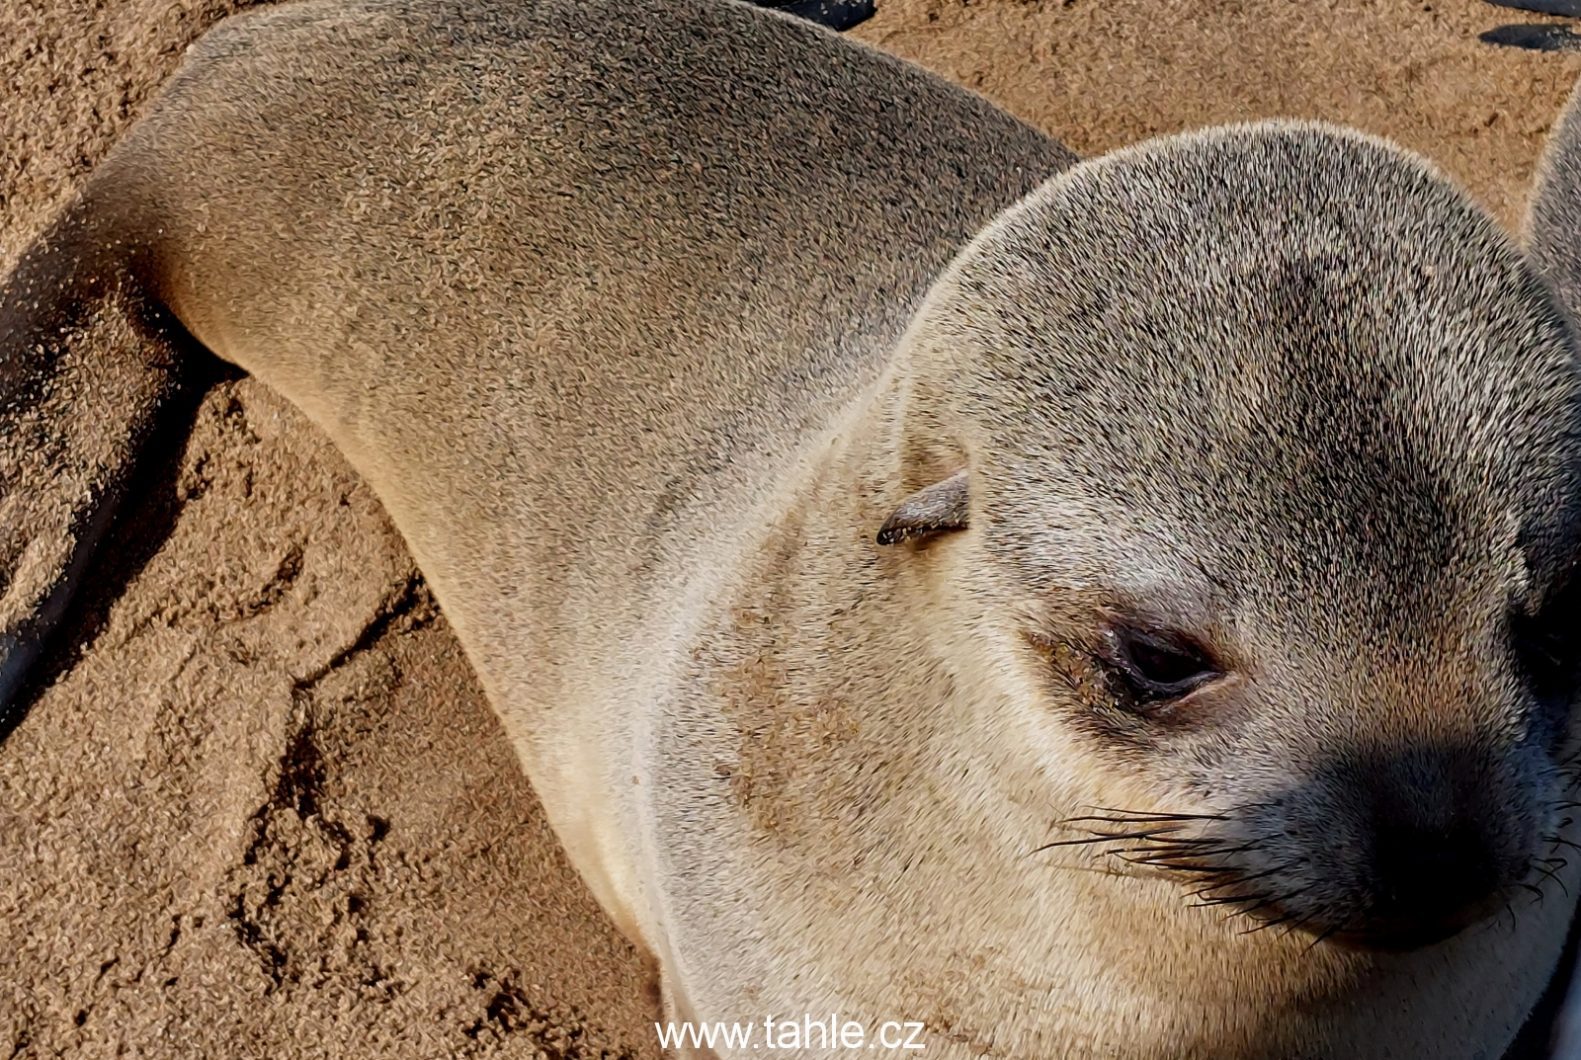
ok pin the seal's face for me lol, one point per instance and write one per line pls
(1289, 539)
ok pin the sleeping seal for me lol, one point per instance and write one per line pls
(1106, 608)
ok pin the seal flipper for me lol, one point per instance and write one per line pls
(1534, 36)
(1560, 8)
(87, 370)
(838, 15)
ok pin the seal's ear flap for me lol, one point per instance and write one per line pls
(931, 511)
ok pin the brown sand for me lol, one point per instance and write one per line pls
(264, 811)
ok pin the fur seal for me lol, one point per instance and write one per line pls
(1210, 694)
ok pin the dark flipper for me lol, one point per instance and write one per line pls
(1538, 37)
(1561, 8)
(836, 14)
(1535, 38)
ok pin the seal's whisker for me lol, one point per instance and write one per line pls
(1550, 874)
(1107, 813)
(1210, 903)
(1092, 839)
(1324, 935)
(1170, 862)
(1173, 849)
(1285, 867)
(1190, 866)
(1223, 851)
(1168, 843)
(1292, 928)
(1178, 842)
(1266, 924)
(1539, 896)
(1248, 911)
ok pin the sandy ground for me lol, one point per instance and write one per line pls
(263, 810)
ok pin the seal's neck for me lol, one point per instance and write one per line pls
(822, 663)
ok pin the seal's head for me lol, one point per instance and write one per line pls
(1272, 496)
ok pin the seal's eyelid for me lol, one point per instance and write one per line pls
(941, 508)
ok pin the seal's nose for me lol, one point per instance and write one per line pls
(1430, 882)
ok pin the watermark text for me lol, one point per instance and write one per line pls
(773, 1033)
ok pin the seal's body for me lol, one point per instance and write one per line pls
(1231, 484)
